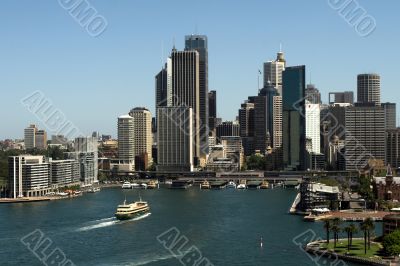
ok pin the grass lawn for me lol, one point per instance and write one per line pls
(357, 249)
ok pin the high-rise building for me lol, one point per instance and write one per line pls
(312, 94)
(390, 115)
(263, 118)
(212, 111)
(29, 137)
(28, 176)
(186, 91)
(143, 137)
(86, 153)
(341, 97)
(174, 138)
(365, 135)
(294, 128)
(200, 44)
(41, 139)
(273, 72)
(369, 89)
(277, 122)
(313, 131)
(35, 138)
(393, 147)
(64, 172)
(126, 143)
(163, 85)
(228, 129)
(246, 124)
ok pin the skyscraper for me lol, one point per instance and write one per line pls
(294, 131)
(369, 89)
(29, 137)
(143, 137)
(126, 143)
(185, 91)
(174, 139)
(86, 153)
(341, 97)
(228, 129)
(163, 85)
(212, 112)
(273, 72)
(41, 139)
(390, 115)
(393, 147)
(264, 117)
(246, 123)
(312, 94)
(365, 135)
(313, 131)
(200, 44)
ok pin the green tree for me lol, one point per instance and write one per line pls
(370, 227)
(353, 230)
(391, 243)
(255, 162)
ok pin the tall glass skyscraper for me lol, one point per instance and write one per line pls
(294, 130)
(200, 44)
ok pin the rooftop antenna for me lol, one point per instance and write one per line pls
(173, 44)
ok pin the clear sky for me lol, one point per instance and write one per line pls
(94, 80)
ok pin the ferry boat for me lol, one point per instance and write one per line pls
(205, 185)
(264, 185)
(152, 184)
(131, 210)
(126, 185)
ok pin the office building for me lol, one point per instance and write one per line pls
(143, 137)
(86, 153)
(228, 128)
(393, 148)
(313, 95)
(212, 112)
(163, 85)
(273, 72)
(246, 124)
(64, 172)
(369, 89)
(186, 91)
(313, 126)
(293, 122)
(341, 97)
(390, 115)
(41, 139)
(174, 138)
(199, 43)
(126, 144)
(365, 135)
(28, 176)
(29, 137)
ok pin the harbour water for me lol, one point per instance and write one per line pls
(225, 225)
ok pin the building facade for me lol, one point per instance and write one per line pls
(126, 144)
(313, 130)
(174, 138)
(369, 89)
(393, 147)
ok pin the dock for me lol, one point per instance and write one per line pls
(218, 184)
(23, 200)
(349, 216)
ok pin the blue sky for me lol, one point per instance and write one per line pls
(94, 80)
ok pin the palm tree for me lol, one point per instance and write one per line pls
(347, 230)
(353, 230)
(335, 229)
(327, 227)
(371, 227)
(364, 227)
(337, 222)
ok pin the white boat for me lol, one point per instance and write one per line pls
(241, 186)
(135, 185)
(231, 184)
(62, 194)
(126, 185)
(94, 190)
(143, 185)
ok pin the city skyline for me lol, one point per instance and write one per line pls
(83, 72)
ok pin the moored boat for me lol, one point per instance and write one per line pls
(231, 184)
(126, 185)
(152, 184)
(205, 185)
(242, 184)
(264, 185)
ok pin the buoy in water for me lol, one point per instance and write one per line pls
(261, 242)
